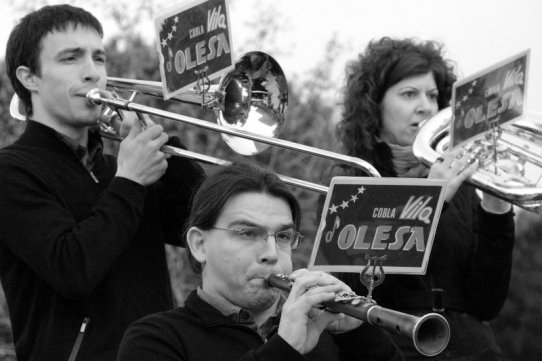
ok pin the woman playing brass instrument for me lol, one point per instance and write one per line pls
(391, 89)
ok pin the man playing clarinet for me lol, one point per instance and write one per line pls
(242, 227)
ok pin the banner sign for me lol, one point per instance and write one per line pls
(493, 96)
(193, 39)
(396, 217)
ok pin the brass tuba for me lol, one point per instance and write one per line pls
(510, 168)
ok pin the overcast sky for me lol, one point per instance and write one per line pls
(477, 33)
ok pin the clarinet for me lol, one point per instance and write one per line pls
(429, 333)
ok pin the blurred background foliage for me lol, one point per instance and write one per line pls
(311, 117)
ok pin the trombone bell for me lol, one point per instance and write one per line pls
(510, 169)
(253, 97)
(255, 100)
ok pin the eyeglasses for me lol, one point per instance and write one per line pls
(283, 239)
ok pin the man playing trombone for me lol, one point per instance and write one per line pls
(82, 234)
(242, 227)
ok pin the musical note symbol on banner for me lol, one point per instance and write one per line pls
(336, 224)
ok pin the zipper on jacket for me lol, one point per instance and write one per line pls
(79, 339)
(93, 176)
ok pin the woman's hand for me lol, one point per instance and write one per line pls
(455, 166)
(492, 204)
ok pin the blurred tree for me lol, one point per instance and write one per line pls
(264, 29)
(10, 128)
(125, 14)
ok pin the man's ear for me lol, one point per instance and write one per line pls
(196, 241)
(26, 77)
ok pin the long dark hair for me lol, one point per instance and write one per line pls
(384, 63)
(227, 182)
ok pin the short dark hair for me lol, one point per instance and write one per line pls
(384, 63)
(24, 43)
(218, 188)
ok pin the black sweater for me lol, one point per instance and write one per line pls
(470, 261)
(72, 248)
(199, 332)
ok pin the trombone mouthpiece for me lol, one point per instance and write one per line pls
(93, 97)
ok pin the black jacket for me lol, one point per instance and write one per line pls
(72, 248)
(470, 261)
(199, 332)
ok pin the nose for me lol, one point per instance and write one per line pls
(426, 106)
(269, 253)
(91, 71)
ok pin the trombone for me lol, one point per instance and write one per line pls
(249, 103)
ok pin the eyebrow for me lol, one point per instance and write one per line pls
(243, 222)
(79, 50)
(410, 87)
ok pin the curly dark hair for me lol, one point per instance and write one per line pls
(384, 63)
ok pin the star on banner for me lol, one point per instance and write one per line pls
(168, 29)
(346, 202)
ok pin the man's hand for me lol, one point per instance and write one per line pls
(140, 158)
(301, 321)
(129, 119)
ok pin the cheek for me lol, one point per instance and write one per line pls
(392, 114)
(435, 110)
(228, 261)
(391, 121)
(387, 124)
(102, 83)
(285, 262)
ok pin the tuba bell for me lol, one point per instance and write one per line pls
(510, 168)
